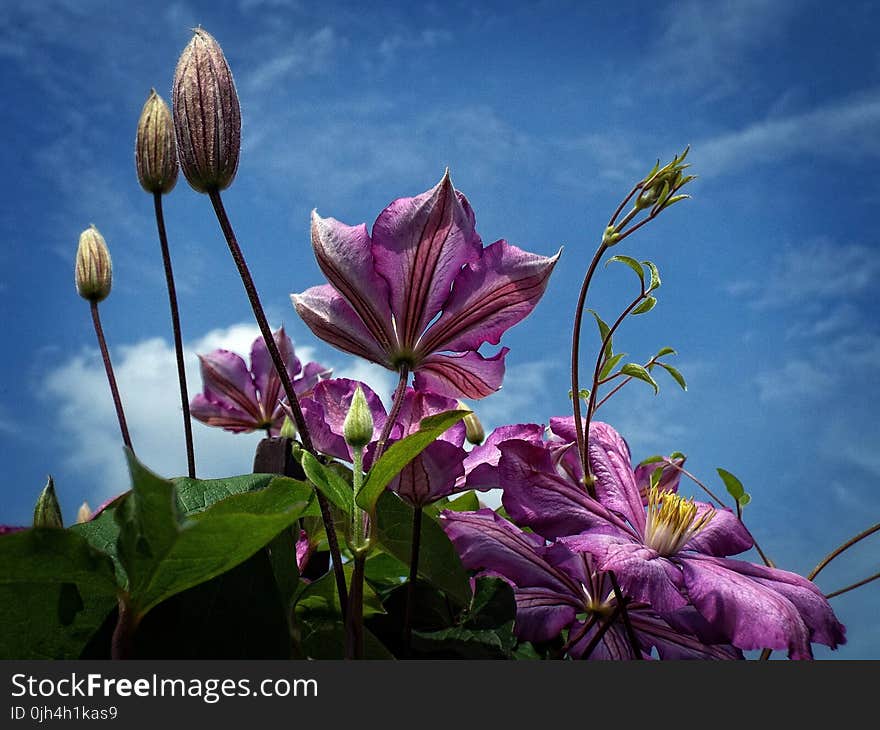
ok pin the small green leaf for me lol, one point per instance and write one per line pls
(655, 275)
(646, 306)
(676, 375)
(734, 486)
(610, 364)
(638, 372)
(604, 331)
(439, 563)
(651, 460)
(328, 482)
(633, 264)
(399, 454)
(467, 502)
(664, 351)
(744, 499)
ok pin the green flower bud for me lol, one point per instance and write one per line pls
(84, 513)
(358, 425)
(155, 151)
(473, 429)
(288, 430)
(207, 116)
(94, 270)
(47, 512)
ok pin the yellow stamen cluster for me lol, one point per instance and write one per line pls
(672, 521)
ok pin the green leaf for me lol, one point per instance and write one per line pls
(655, 275)
(329, 483)
(467, 502)
(439, 563)
(734, 486)
(493, 604)
(665, 351)
(639, 373)
(610, 364)
(646, 306)
(102, 533)
(165, 553)
(744, 499)
(195, 495)
(463, 643)
(633, 264)
(55, 592)
(400, 453)
(281, 552)
(675, 373)
(652, 460)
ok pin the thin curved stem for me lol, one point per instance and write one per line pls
(594, 642)
(283, 375)
(580, 634)
(621, 601)
(354, 642)
(178, 339)
(843, 548)
(396, 403)
(111, 378)
(413, 576)
(859, 584)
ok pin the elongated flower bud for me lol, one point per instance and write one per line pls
(84, 513)
(207, 116)
(94, 270)
(473, 429)
(155, 150)
(47, 512)
(358, 425)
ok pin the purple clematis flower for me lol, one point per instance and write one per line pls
(669, 555)
(435, 473)
(421, 293)
(557, 589)
(242, 400)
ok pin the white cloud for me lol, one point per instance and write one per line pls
(796, 380)
(303, 55)
(523, 398)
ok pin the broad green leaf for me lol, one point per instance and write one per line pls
(664, 351)
(439, 563)
(646, 306)
(400, 453)
(637, 371)
(610, 364)
(675, 373)
(329, 483)
(467, 502)
(734, 486)
(102, 533)
(655, 275)
(321, 596)
(493, 604)
(194, 495)
(633, 264)
(165, 553)
(55, 592)
(460, 642)
(281, 552)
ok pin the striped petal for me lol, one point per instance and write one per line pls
(461, 374)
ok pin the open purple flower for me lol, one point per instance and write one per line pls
(242, 400)
(670, 555)
(421, 293)
(435, 473)
(557, 589)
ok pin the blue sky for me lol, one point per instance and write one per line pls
(545, 113)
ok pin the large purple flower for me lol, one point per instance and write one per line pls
(557, 589)
(669, 555)
(242, 400)
(422, 293)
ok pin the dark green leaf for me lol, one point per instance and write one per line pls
(464, 643)
(675, 373)
(399, 454)
(439, 563)
(637, 371)
(646, 306)
(493, 604)
(195, 495)
(329, 483)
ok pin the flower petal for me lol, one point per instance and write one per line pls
(489, 296)
(536, 496)
(431, 475)
(723, 535)
(227, 381)
(419, 246)
(222, 415)
(331, 318)
(263, 370)
(481, 463)
(344, 254)
(418, 404)
(462, 374)
(611, 463)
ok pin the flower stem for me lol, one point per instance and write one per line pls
(175, 326)
(111, 378)
(354, 634)
(621, 601)
(846, 546)
(594, 642)
(283, 375)
(122, 642)
(858, 584)
(413, 576)
(396, 403)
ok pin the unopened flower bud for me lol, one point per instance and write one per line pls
(94, 270)
(288, 430)
(207, 116)
(84, 513)
(155, 150)
(47, 512)
(358, 425)
(473, 429)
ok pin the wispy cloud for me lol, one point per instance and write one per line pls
(303, 55)
(393, 46)
(795, 380)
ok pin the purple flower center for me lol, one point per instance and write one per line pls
(672, 521)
